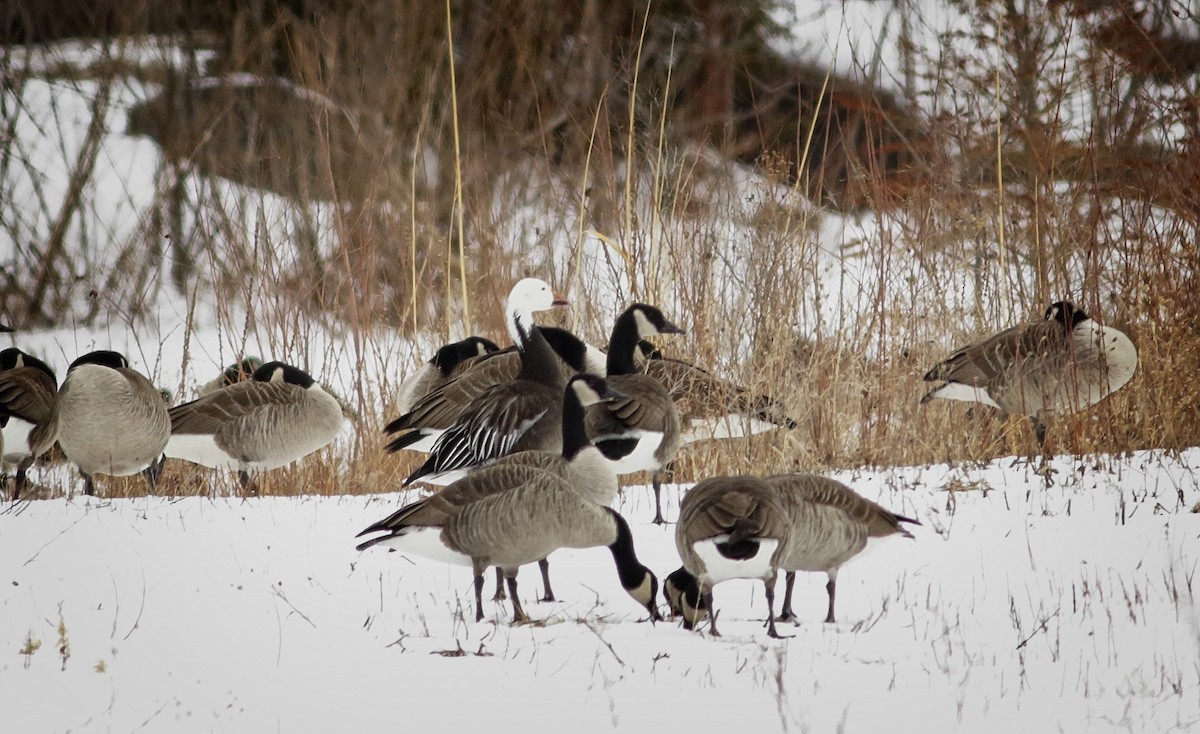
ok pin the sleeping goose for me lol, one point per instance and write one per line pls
(641, 431)
(239, 371)
(1062, 363)
(728, 528)
(516, 527)
(277, 417)
(446, 364)
(108, 418)
(710, 407)
(579, 463)
(522, 414)
(432, 413)
(27, 391)
(829, 524)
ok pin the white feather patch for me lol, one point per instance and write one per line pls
(200, 448)
(15, 440)
(718, 568)
(426, 541)
(966, 393)
(734, 425)
(642, 457)
(425, 444)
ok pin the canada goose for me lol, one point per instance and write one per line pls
(4, 329)
(431, 414)
(728, 528)
(1062, 363)
(522, 414)
(279, 416)
(239, 371)
(829, 524)
(710, 407)
(512, 528)
(444, 366)
(579, 463)
(641, 431)
(108, 418)
(27, 391)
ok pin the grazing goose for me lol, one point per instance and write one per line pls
(239, 371)
(710, 407)
(445, 365)
(277, 417)
(639, 432)
(522, 414)
(829, 524)
(108, 418)
(431, 414)
(1062, 363)
(728, 528)
(512, 528)
(579, 463)
(27, 391)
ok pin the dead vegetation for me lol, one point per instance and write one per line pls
(374, 195)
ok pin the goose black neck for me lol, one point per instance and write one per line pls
(537, 358)
(629, 569)
(567, 346)
(621, 345)
(574, 427)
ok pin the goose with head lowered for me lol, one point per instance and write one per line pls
(239, 371)
(580, 464)
(28, 388)
(279, 416)
(432, 413)
(519, 415)
(1063, 362)
(640, 431)
(108, 419)
(728, 528)
(511, 514)
(829, 525)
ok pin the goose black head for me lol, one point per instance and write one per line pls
(682, 592)
(280, 372)
(650, 321)
(1066, 313)
(452, 355)
(4, 329)
(103, 358)
(243, 369)
(590, 389)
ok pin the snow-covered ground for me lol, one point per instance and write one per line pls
(1018, 607)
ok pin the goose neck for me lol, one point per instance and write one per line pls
(630, 570)
(574, 427)
(622, 345)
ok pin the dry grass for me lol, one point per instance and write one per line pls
(1001, 201)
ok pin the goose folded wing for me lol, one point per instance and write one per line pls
(26, 393)
(215, 410)
(496, 421)
(442, 407)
